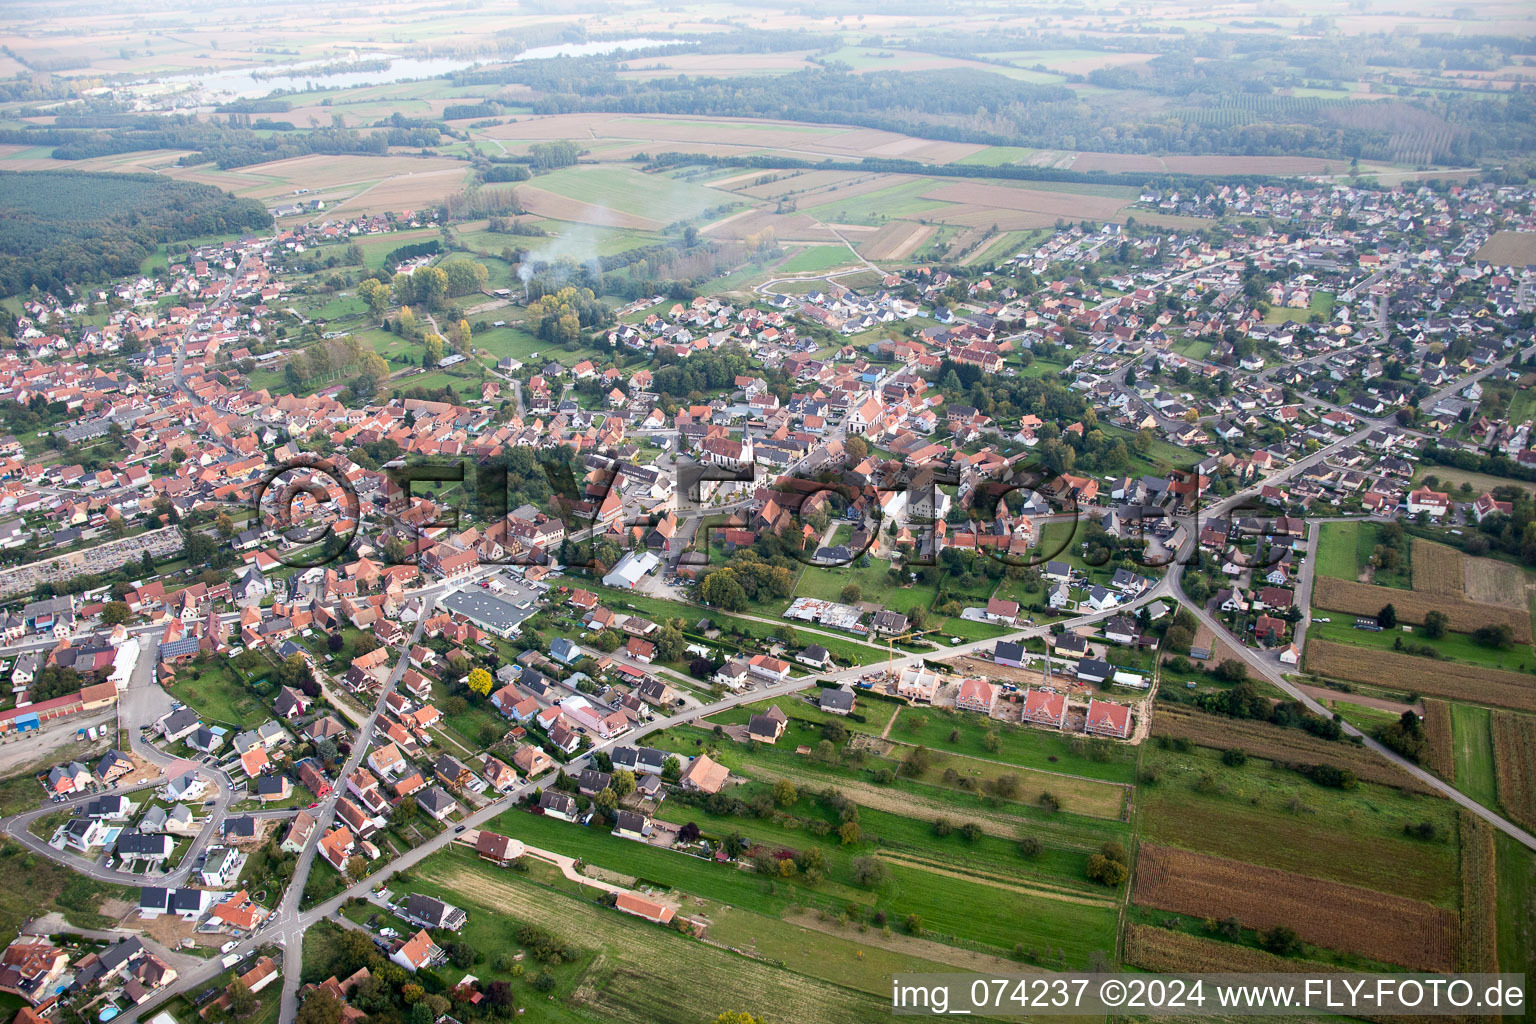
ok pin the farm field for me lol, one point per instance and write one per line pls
(1166, 950)
(1268, 814)
(817, 258)
(905, 198)
(997, 156)
(1471, 731)
(1510, 248)
(1448, 477)
(1463, 615)
(1513, 764)
(652, 197)
(1368, 923)
(1479, 894)
(1437, 569)
(1399, 672)
(1516, 904)
(1457, 647)
(1277, 743)
(644, 972)
(1445, 572)
(1439, 736)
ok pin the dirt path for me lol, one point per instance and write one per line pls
(567, 865)
(1327, 697)
(885, 733)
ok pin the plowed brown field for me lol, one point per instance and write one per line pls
(1453, 680)
(1330, 914)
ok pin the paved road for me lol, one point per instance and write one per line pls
(141, 703)
(288, 924)
(1269, 668)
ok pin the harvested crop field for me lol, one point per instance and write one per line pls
(406, 192)
(1439, 745)
(787, 227)
(1200, 164)
(896, 240)
(317, 172)
(810, 187)
(1514, 759)
(713, 134)
(1438, 569)
(557, 207)
(647, 974)
(1039, 201)
(1167, 951)
(1453, 680)
(1491, 581)
(1330, 914)
(1412, 605)
(1479, 896)
(1277, 743)
(1510, 249)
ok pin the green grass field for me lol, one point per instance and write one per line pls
(630, 191)
(1338, 546)
(890, 203)
(216, 691)
(1344, 552)
(992, 916)
(1321, 304)
(1473, 738)
(1517, 905)
(1020, 745)
(513, 341)
(817, 258)
(1005, 245)
(997, 156)
(1522, 406)
(377, 247)
(631, 971)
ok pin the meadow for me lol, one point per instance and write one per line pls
(1516, 904)
(1472, 735)
(817, 258)
(1344, 553)
(642, 972)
